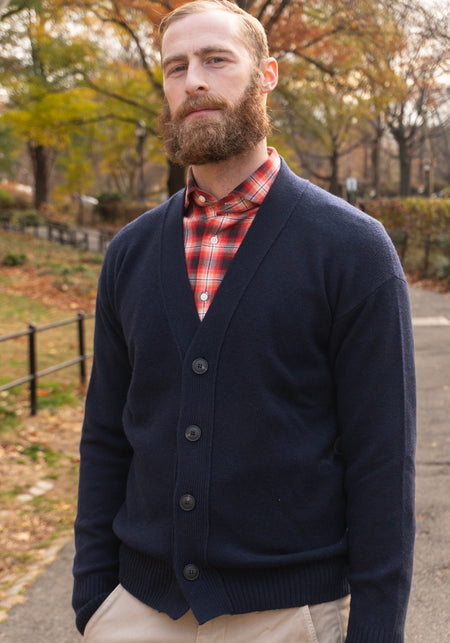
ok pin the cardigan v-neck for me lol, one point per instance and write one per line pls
(270, 220)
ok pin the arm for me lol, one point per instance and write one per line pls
(105, 458)
(375, 388)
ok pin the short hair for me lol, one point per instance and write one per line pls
(253, 34)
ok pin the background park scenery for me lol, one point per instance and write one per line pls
(362, 109)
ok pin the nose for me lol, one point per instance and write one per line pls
(195, 80)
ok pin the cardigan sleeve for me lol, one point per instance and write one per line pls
(372, 358)
(105, 459)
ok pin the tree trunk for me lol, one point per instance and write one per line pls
(176, 179)
(334, 187)
(375, 157)
(405, 167)
(40, 164)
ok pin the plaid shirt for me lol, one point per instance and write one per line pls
(214, 230)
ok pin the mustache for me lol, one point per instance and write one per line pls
(195, 103)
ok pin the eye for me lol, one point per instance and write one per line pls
(175, 70)
(216, 60)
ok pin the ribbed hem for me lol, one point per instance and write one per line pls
(152, 581)
(283, 587)
(236, 591)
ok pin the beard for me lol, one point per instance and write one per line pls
(209, 139)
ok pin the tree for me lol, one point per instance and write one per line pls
(386, 58)
(40, 69)
(348, 74)
(423, 57)
(122, 90)
(323, 88)
(319, 121)
(8, 150)
(132, 26)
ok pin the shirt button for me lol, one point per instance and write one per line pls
(214, 240)
(187, 502)
(193, 433)
(191, 572)
(200, 366)
(204, 296)
(202, 198)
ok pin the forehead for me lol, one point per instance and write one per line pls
(213, 28)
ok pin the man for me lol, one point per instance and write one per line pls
(248, 443)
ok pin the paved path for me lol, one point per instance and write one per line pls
(46, 615)
(429, 609)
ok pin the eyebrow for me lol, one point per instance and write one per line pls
(204, 51)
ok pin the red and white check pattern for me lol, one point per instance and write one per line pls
(214, 230)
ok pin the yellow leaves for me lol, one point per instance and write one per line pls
(50, 120)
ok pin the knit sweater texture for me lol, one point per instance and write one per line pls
(264, 457)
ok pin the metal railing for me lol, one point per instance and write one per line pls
(95, 239)
(33, 374)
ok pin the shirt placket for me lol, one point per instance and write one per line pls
(209, 266)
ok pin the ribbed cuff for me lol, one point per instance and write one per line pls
(87, 611)
(362, 633)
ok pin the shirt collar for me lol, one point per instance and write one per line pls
(249, 194)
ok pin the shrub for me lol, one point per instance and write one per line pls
(427, 225)
(6, 198)
(126, 212)
(14, 259)
(30, 218)
(108, 203)
(416, 215)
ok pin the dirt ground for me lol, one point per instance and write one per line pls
(38, 480)
(38, 458)
(50, 292)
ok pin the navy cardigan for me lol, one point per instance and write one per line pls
(262, 458)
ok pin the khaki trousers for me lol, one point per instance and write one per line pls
(124, 619)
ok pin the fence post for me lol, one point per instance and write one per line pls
(81, 348)
(32, 367)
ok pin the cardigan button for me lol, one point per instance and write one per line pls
(193, 433)
(191, 572)
(200, 366)
(187, 502)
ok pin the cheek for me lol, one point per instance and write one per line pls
(173, 99)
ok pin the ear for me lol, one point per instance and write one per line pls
(269, 75)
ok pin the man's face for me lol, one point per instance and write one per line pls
(214, 107)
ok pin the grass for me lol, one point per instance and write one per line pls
(52, 285)
(36, 450)
(43, 254)
(10, 494)
(10, 409)
(17, 311)
(438, 267)
(63, 268)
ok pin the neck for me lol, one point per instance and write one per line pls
(219, 179)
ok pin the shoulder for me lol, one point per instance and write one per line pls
(324, 209)
(350, 250)
(144, 231)
(337, 225)
(136, 247)
(148, 222)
